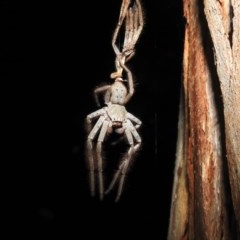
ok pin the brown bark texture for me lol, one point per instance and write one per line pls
(223, 19)
(199, 208)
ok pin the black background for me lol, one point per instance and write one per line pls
(46, 48)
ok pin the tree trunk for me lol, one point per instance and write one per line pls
(225, 33)
(201, 206)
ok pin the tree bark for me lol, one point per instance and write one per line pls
(226, 43)
(199, 208)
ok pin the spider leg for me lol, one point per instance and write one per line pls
(118, 52)
(133, 25)
(99, 158)
(132, 136)
(101, 89)
(91, 116)
(90, 139)
(122, 166)
(130, 131)
(138, 21)
(134, 119)
(128, 27)
(133, 17)
(123, 12)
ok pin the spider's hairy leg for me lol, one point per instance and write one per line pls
(131, 135)
(122, 15)
(91, 166)
(99, 158)
(131, 131)
(138, 21)
(124, 171)
(122, 167)
(90, 117)
(116, 175)
(123, 11)
(134, 119)
(133, 28)
(129, 27)
(98, 90)
(136, 136)
(90, 150)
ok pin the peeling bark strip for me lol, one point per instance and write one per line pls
(227, 52)
(179, 210)
(198, 209)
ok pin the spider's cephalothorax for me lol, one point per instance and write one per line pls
(114, 117)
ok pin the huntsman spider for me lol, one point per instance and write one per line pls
(113, 117)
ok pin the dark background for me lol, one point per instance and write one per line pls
(45, 48)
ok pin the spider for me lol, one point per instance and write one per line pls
(114, 117)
